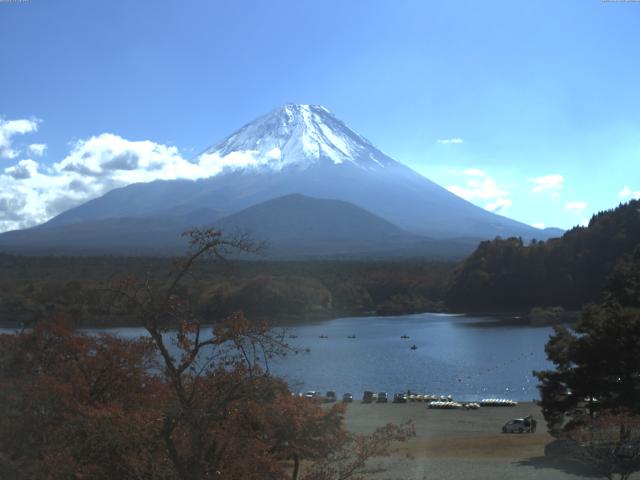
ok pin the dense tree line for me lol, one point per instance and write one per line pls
(501, 275)
(599, 357)
(592, 396)
(76, 287)
(507, 274)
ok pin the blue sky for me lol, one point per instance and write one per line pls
(531, 109)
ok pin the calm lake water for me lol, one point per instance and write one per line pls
(468, 357)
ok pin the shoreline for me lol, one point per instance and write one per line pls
(497, 319)
(461, 444)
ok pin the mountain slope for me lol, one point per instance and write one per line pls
(305, 149)
(296, 149)
(293, 226)
(300, 226)
(296, 216)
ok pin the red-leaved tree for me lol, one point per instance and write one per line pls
(188, 402)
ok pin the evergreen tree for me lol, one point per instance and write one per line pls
(598, 361)
(570, 271)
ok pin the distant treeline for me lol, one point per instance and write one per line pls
(79, 288)
(570, 271)
(501, 275)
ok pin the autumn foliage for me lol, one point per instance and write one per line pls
(183, 402)
(76, 406)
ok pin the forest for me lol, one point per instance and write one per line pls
(279, 292)
(568, 272)
(501, 275)
(590, 399)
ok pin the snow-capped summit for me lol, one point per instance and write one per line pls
(294, 150)
(295, 135)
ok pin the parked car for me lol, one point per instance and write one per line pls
(331, 396)
(399, 398)
(520, 425)
(347, 398)
(382, 397)
(312, 394)
(367, 397)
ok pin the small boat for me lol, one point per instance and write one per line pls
(293, 336)
(351, 336)
(323, 336)
(413, 347)
(405, 336)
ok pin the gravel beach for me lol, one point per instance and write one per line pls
(461, 444)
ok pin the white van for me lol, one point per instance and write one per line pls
(520, 425)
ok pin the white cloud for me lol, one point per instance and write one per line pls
(451, 141)
(11, 128)
(539, 225)
(109, 156)
(499, 205)
(22, 170)
(628, 192)
(574, 206)
(37, 149)
(32, 193)
(478, 185)
(475, 172)
(483, 189)
(274, 153)
(545, 183)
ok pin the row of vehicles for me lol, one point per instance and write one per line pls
(370, 397)
(517, 425)
(379, 397)
(382, 397)
(330, 396)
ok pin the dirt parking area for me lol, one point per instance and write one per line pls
(461, 444)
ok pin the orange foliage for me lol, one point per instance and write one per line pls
(81, 406)
(84, 406)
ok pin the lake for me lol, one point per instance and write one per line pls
(468, 357)
(464, 356)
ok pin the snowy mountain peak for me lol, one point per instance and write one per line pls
(294, 135)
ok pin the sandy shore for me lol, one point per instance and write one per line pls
(461, 444)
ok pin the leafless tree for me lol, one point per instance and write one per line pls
(609, 444)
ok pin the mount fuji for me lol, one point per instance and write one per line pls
(295, 152)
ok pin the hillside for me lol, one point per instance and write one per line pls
(298, 226)
(508, 274)
(291, 227)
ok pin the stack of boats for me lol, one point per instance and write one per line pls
(414, 397)
(498, 402)
(445, 405)
(450, 405)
